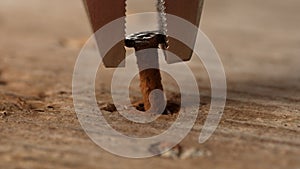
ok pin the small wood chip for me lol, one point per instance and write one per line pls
(109, 107)
(3, 114)
(177, 152)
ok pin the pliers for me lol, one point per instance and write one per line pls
(102, 12)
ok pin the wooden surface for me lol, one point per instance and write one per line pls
(259, 46)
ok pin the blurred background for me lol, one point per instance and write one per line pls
(259, 45)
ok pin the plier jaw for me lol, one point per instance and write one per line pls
(102, 12)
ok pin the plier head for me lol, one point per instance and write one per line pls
(102, 12)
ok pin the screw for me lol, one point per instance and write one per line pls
(150, 79)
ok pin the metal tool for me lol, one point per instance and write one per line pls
(101, 12)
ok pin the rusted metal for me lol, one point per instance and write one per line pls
(148, 64)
